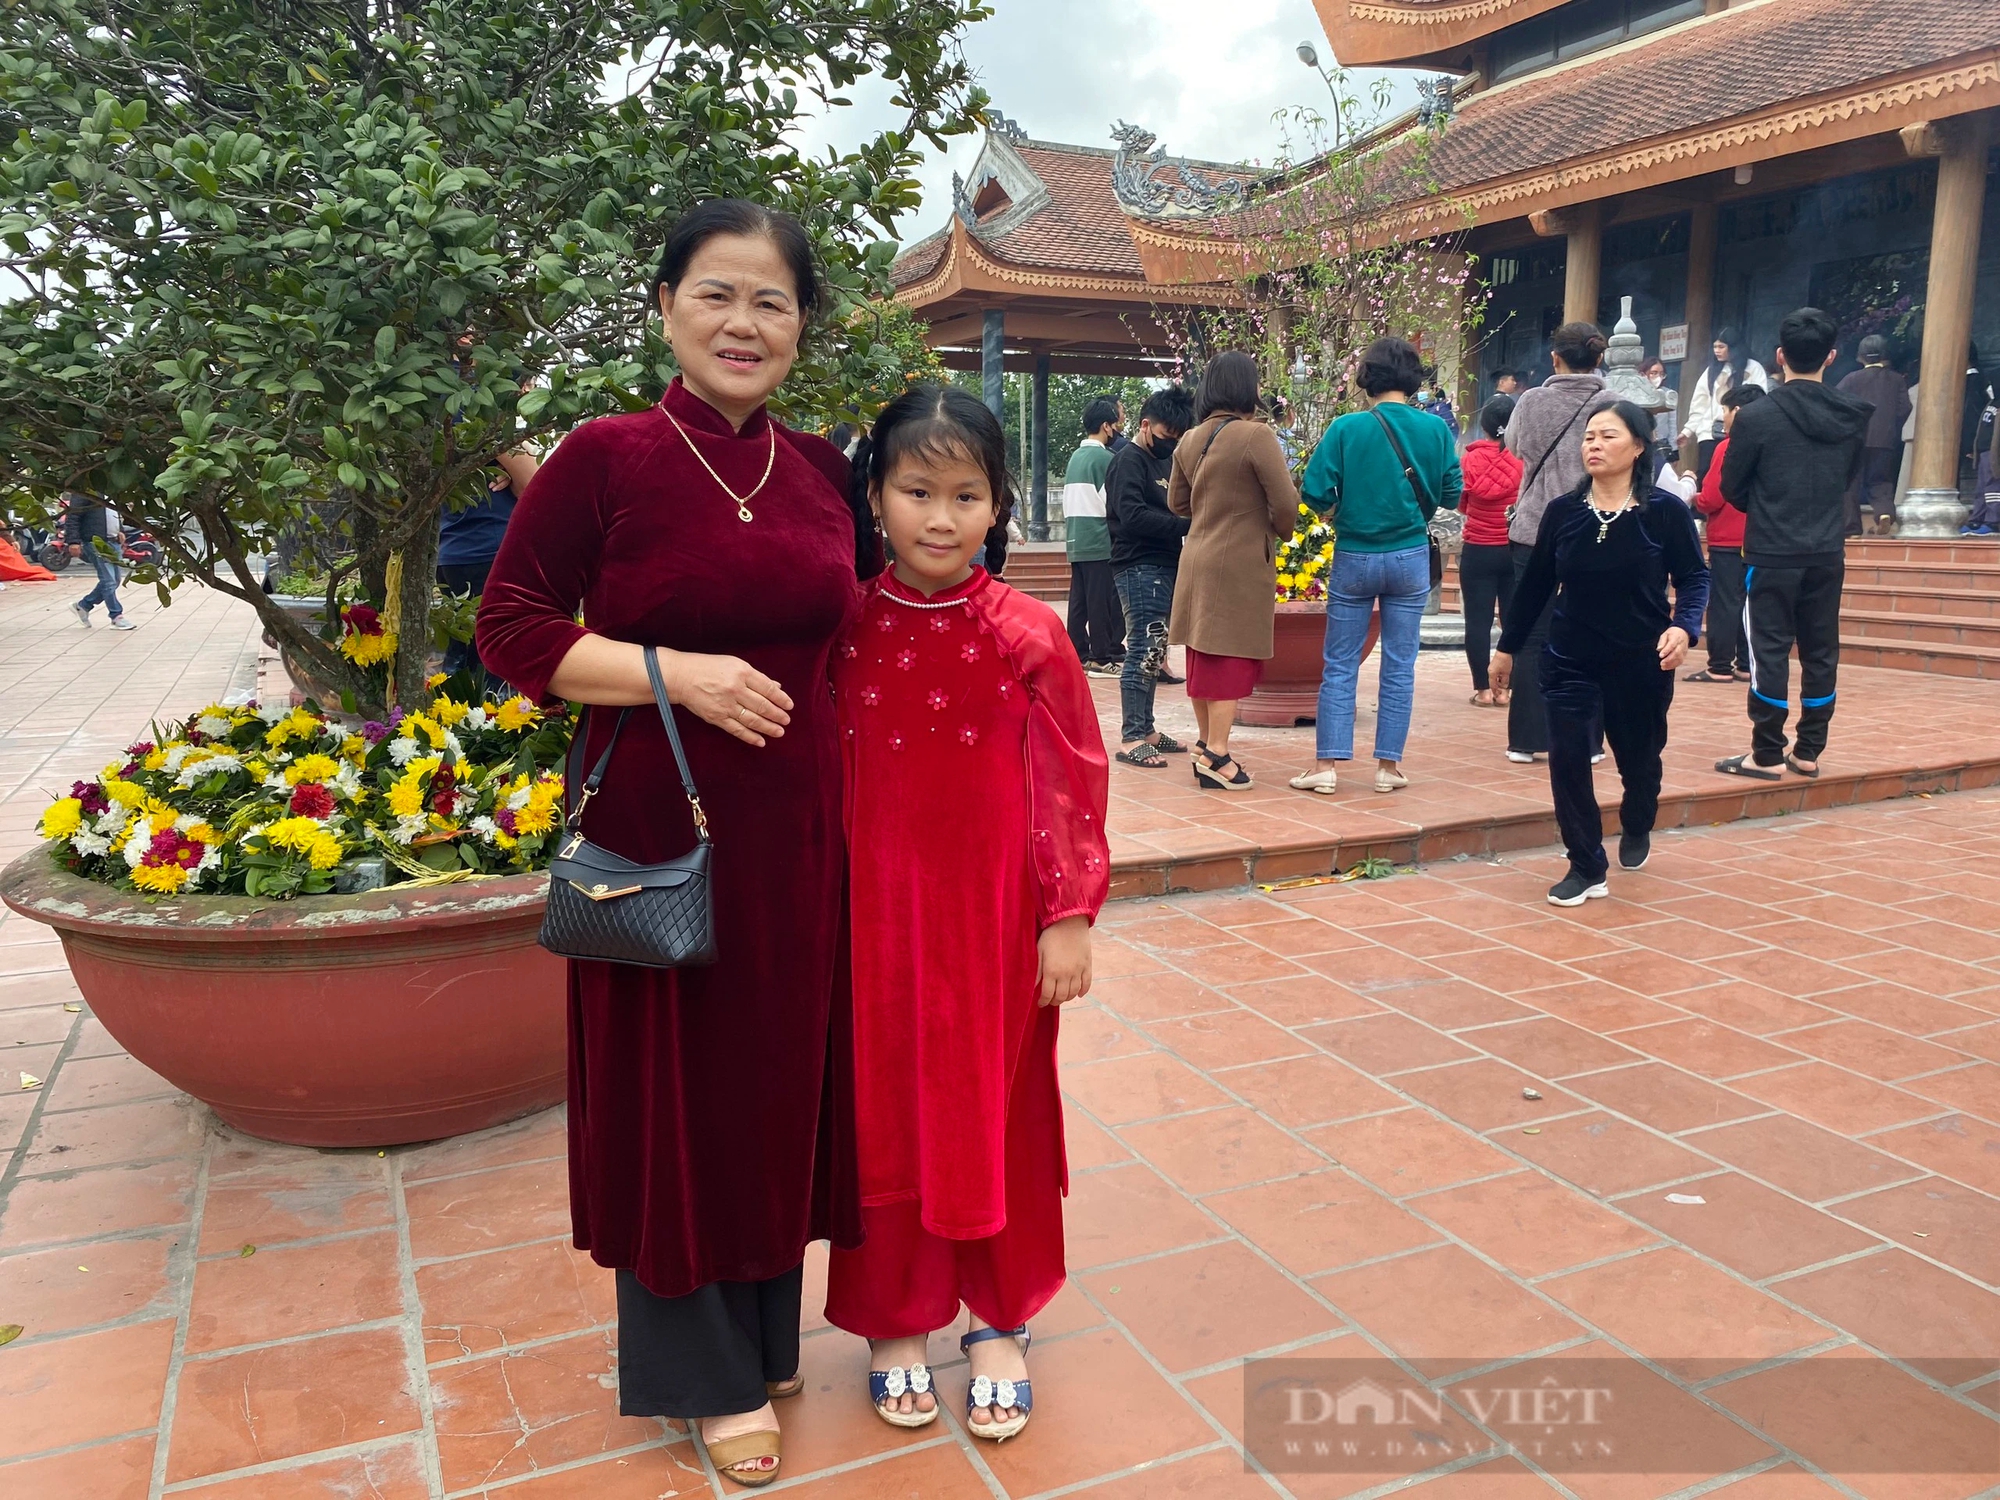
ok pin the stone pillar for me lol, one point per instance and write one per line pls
(1700, 318)
(1932, 507)
(993, 363)
(1582, 225)
(1038, 494)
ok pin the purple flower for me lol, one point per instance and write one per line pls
(374, 732)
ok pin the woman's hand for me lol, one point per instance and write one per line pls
(1500, 672)
(1065, 961)
(729, 693)
(1673, 648)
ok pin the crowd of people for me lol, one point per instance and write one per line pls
(1582, 538)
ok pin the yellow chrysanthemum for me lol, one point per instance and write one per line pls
(406, 797)
(296, 725)
(368, 650)
(159, 817)
(164, 879)
(517, 713)
(447, 711)
(355, 748)
(325, 852)
(431, 682)
(62, 819)
(540, 815)
(425, 725)
(202, 833)
(124, 793)
(156, 759)
(311, 768)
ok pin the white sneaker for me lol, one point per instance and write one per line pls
(82, 614)
(1597, 759)
(1326, 783)
(1521, 757)
(121, 623)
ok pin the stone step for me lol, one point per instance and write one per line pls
(1920, 630)
(1922, 549)
(1981, 662)
(1917, 576)
(1972, 604)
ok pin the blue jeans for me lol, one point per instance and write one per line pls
(1401, 583)
(1146, 590)
(106, 592)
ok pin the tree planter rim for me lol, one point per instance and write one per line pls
(37, 888)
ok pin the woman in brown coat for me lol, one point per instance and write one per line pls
(1231, 480)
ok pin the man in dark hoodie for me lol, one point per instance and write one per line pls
(1791, 458)
(1889, 393)
(1145, 561)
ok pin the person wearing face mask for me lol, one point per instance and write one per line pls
(1146, 539)
(1431, 397)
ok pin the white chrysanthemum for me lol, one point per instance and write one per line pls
(276, 782)
(90, 845)
(519, 799)
(403, 750)
(270, 713)
(213, 726)
(201, 770)
(177, 756)
(453, 750)
(407, 829)
(475, 721)
(186, 821)
(348, 782)
(211, 858)
(109, 823)
(485, 827)
(136, 844)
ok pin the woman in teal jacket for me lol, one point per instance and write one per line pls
(1381, 473)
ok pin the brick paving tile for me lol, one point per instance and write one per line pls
(1286, 1110)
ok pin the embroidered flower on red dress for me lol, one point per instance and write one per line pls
(937, 698)
(884, 623)
(895, 742)
(968, 736)
(906, 658)
(871, 695)
(940, 624)
(848, 651)
(1006, 689)
(970, 651)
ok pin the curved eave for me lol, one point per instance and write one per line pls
(969, 267)
(1436, 32)
(1881, 106)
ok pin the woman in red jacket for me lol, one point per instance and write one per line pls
(1485, 566)
(1728, 643)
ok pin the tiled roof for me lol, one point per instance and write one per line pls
(1083, 228)
(1740, 62)
(922, 258)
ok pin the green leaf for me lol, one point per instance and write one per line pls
(385, 344)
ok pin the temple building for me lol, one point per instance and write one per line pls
(1718, 164)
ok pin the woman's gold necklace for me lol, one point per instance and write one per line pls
(742, 501)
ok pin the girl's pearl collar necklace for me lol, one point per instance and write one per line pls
(926, 603)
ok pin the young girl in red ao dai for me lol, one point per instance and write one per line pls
(976, 790)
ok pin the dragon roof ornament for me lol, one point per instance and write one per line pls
(1151, 183)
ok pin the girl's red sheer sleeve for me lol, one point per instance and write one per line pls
(547, 563)
(1069, 775)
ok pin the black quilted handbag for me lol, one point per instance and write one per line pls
(603, 906)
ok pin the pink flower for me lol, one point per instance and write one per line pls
(884, 623)
(970, 651)
(940, 624)
(938, 698)
(968, 736)
(906, 658)
(871, 695)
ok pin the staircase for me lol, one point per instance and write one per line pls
(1922, 606)
(1039, 569)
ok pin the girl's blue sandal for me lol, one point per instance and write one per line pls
(893, 1384)
(997, 1394)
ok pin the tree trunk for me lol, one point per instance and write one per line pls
(413, 621)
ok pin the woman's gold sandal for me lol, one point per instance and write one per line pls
(726, 1453)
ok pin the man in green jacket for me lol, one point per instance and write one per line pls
(1096, 621)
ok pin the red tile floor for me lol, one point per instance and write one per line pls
(1297, 1127)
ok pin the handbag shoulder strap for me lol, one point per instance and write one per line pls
(1409, 469)
(574, 822)
(1208, 445)
(1549, 452)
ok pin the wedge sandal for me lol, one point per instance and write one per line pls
(726, 1453)
(896, 1382)
(998, 1395)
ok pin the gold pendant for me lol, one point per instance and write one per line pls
(743, 514)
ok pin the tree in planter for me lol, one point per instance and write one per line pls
(313, 264)
(1322, 278)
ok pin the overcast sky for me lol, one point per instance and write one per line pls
(1203, 76)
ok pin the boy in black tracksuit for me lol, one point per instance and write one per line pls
(1791, 457)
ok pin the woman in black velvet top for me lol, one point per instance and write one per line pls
(1611, 546)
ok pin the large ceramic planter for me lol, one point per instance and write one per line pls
(365, 1020)
(1289, 691)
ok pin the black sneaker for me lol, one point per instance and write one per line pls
(1574, 890)
(1634, 849)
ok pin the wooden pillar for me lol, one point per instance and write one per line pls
(993, 363)
(1700, 317)
(1583, 227)
(1932, 508)
(1038, 493)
